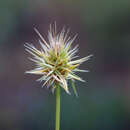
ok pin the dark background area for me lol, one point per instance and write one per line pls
(103, 28)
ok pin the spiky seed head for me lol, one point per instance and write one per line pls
(55, 62)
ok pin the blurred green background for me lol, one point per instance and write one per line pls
(103, 28)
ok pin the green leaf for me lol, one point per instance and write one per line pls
(74, 88)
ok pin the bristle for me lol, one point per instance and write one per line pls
(54, 59)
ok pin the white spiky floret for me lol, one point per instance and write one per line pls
(55, 61)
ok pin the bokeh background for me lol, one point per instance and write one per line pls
(103, 28)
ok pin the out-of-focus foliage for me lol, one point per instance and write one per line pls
(103, 29)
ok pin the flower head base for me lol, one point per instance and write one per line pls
(55, 61)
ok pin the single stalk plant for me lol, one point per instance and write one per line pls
(57, 63)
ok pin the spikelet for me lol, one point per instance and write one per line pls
(55, 61)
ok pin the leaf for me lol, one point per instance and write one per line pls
(73, 76)
(41, 37)
(74, 88)
(64, 84)
(37, 71)
(79, 70)
(80, 60)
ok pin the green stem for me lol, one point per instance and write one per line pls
(57, 107)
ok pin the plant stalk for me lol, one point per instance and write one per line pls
(57, 127)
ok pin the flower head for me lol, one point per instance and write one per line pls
(55, 62)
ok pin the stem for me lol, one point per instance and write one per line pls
(57, 107)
